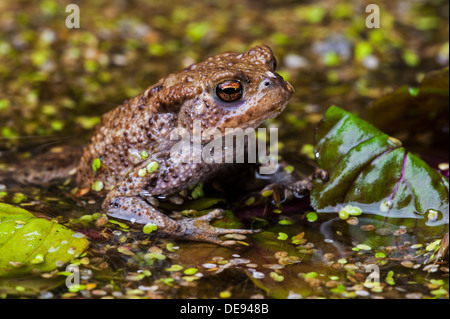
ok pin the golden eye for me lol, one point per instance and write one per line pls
(229, 91)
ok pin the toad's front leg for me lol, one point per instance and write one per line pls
(131, 200)
(286, 186)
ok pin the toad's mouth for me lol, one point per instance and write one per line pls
(289, 86)
(277, 111)
(273, 112)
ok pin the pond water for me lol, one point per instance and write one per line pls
(56, 82)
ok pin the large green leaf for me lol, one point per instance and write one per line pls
(28, 243)
(370, 170)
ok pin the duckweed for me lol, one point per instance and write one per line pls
(267, 193)
(276, 276)
(433, 246)
(197, 192)
(120, 224)
(289, 169)
(154, 256)
(353, 210)
(86, 218)
(96, 164)
(390, 278)
(142, 172)
(174, 268)
(170, 247)
(152, 167)
(148, 228)
(225, 294)
(363, 247)
(285, 222)
(98, 186)
(76, 288)
(114, 64)
(250, 201)
(168, 281)
(190, 278)
(282, 236)
(191, 271)
(312, 216)
(343, 214)
(342, 261)
(308, 151)
(311, 275)
(380, 255)
(18, 198)
(4, 104)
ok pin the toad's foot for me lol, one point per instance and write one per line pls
(137, 210)
(296, 189)
(200, 229)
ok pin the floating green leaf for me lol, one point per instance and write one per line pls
(28, 243)
(371, 171)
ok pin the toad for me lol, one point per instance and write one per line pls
(128, 159)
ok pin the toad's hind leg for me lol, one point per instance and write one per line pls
(137, 210)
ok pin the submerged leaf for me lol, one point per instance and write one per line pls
(28, 243)
(29, 285)
(414, 109)
(271, 264)
(371, 171)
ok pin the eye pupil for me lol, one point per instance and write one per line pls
(229, 91)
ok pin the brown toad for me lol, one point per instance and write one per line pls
(130, 148)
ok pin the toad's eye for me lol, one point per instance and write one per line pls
(229, 91)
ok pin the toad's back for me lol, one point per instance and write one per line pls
(142, 125)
